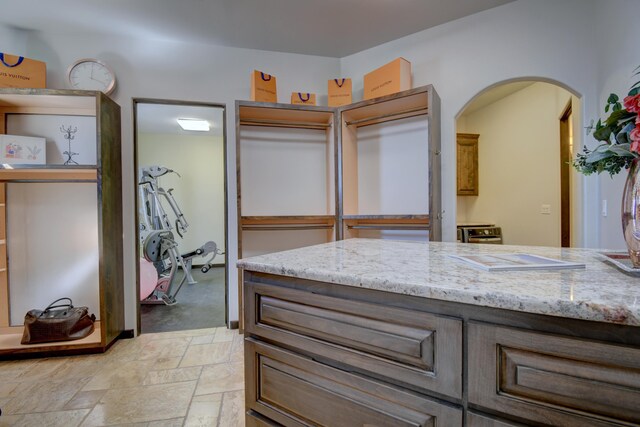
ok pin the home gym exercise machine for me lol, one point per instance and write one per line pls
(159, 247)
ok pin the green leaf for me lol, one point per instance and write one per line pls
(617, 107)
(634, 92)
(602, 134)
(612, 98)
(596, 156)
(606, 109)
(622, 150)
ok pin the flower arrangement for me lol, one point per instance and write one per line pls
(619, 134)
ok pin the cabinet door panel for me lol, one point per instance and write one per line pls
(467, 164)
(551, 378)
(401, 346)
(296, 391)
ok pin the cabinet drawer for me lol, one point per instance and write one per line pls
(294, 390)
(406, 347)
(253, 419)
(553, 379)
(478, 420)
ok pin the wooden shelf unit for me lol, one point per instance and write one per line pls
(106, 175)
(283, 220)
(419, 102)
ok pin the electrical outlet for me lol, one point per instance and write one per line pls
(545, 209)
(604, 207)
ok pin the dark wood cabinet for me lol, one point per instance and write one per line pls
(467, 164)
(414, 349)
(298, 391)
(547, 378)
(321, 354)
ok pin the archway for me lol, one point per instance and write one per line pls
(522, 182)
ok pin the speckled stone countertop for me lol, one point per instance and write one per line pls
(598, 292)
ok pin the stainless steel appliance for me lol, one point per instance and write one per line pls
(492, 235)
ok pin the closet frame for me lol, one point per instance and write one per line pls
(422, 101)
(106, 174)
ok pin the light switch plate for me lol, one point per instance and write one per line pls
(545, 209)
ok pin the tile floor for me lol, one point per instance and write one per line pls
(184, 378)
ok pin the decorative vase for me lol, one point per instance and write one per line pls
(631, 213)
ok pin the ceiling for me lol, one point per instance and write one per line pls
(162, 119)
(334, 28)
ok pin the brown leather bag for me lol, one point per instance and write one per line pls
(62, 322)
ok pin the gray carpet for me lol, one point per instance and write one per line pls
(199, 306)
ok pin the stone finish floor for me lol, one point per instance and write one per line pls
(183, 378)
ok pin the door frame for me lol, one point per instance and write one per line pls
(135, 102)
(565, 177)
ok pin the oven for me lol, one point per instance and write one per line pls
(486, 235)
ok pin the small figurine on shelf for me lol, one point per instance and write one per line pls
(69, 135)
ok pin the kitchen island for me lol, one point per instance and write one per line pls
(389, 333)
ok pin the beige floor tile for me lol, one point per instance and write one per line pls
(177, 334)
(173, 375)
(85, 399)
(41, 370)
(164, 348)
(42, 396)
(10, 420)
(142, 404)
(176, 422)
(6, 388)
(10, 370)
(232, 411)
(204, 411)
(206, 354)
(224, 334)
(52, 419)
(237, 349)
(120, 375)
(220, 378)
(78, 367)
(202, 339)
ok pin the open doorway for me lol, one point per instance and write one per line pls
(520, 191)
(180, 175)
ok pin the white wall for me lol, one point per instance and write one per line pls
(519, 165)
(180, 71)
(618, 54)
(198, 191)
(548, 39)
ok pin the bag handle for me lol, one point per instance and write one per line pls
(302, 99)
(341, 83)
(267, 78)
(50, 306)
(20, 59)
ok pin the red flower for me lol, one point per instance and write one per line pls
(635, 139)
(632, 103)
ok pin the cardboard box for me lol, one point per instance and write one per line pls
(390, 78)
(263, 87)
(18, 71)
(339, 92)
(25, 150)
(302, 98)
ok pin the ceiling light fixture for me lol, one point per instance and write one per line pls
(194, 124)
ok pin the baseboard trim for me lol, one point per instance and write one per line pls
(126, 334)
(234, 324)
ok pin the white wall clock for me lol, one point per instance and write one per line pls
(91, 74)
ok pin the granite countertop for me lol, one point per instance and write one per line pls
(598, 292)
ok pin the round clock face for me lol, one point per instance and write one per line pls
(91, 74)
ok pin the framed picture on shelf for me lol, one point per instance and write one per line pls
(28, 150)
(70, 140)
